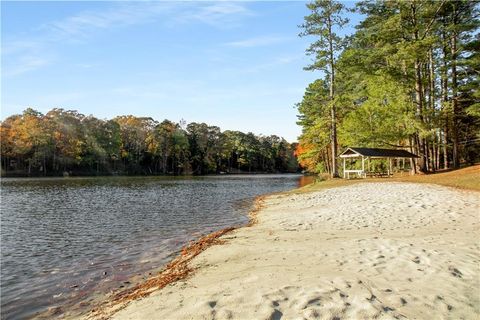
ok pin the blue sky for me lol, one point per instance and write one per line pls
(237, 65)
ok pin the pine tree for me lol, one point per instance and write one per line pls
(325, 18)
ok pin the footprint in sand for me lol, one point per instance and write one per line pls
(276, 315)
(455, 272)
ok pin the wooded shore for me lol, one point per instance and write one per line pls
(66, 142)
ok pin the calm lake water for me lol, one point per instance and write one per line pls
(65, 241)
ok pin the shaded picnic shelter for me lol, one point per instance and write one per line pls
(365, 154)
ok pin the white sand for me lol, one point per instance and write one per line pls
(372, 250)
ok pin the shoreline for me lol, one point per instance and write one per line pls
(190, 267)
(88, 176)
(175, 270)
(219, 203)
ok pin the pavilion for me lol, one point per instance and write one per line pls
(373, 153)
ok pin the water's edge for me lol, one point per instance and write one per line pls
(192, 243)
(174, 270)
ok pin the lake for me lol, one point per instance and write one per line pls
(68, 241)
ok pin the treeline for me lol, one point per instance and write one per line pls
(407, 78)
(67, 142)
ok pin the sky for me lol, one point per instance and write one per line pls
(236, 65)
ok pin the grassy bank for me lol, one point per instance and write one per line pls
(465, 178)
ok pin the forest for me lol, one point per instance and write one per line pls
(65, 142)
(407, 78)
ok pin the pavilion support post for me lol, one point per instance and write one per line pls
(344, 168)
(413, 170)
(363, 167)
(390, 171)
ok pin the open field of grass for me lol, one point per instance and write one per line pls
(465, 178)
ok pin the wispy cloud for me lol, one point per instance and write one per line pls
(274, 63)
(87, 65)
(222, 14)
(258, 41)
(24, 64)
(21, 55)
(19, 46)
(86, 23)
(27, 54)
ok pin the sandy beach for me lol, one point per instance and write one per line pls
(364, 251)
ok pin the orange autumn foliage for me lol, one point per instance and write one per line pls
(303, 152)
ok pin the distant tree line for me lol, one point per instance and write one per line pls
(407, 78)
(67, 142)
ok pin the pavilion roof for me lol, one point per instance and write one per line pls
(377, 153)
